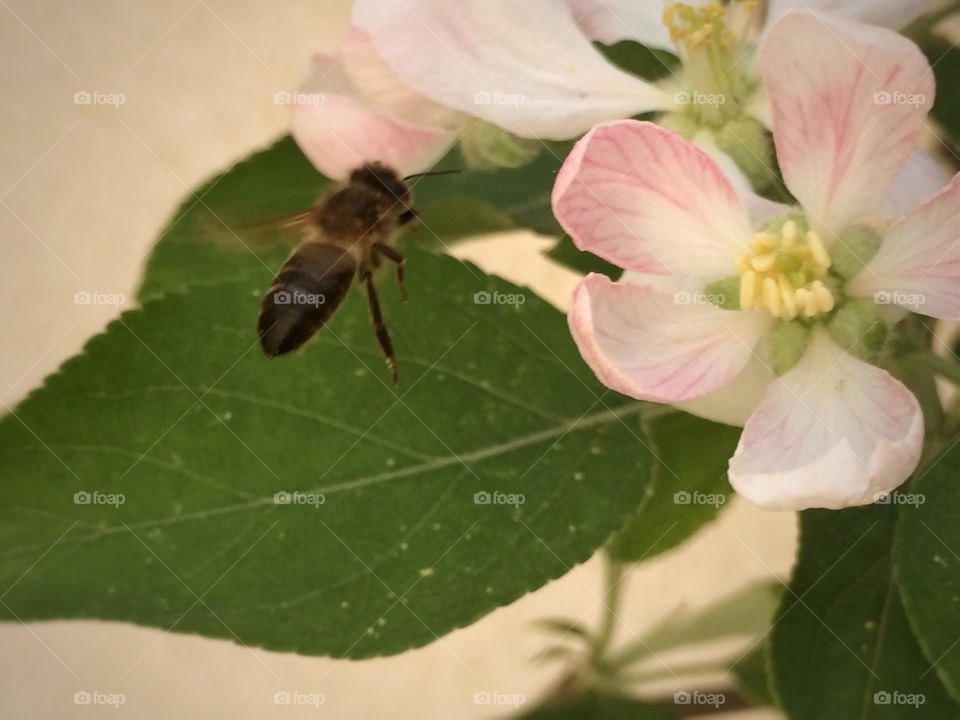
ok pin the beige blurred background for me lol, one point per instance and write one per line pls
(84, 189)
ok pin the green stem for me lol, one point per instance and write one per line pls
(674, 671)
(613, 574)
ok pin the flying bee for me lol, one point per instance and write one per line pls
(350, 229)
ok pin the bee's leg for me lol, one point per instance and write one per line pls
(376, 319)
(398, 260)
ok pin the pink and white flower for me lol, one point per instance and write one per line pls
(822, 428)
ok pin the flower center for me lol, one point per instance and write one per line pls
(783, 272)
(696, 27)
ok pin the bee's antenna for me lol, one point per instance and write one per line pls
(428, 173)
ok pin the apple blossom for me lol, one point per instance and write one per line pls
(785, 305)
(531, 69)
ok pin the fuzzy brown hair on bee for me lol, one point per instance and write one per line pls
(350, 229)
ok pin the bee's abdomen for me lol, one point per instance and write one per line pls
(304, 294)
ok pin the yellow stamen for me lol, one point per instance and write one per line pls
(782, 273)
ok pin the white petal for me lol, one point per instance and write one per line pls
(338, 128)
(658, 346)
(610, 21)
(832, 432)
(918, 264)
(526, 67)
(848, 103)
(918, 180)
(734, 402)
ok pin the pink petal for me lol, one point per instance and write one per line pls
(647, 200)
(525, 67)
(339, 128)
(610, 21)
(918, 180)
(848, 102)
(918, 264)
(653, 346)
(832, 432)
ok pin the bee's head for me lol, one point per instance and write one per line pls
(384, 181)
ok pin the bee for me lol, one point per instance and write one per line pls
(350, 229)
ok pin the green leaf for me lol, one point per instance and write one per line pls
(744, 613)
(928, 567)
(566, 253)
(687, 490)
(594, 705)
(175, 408)
(751, 672)
(841, 645)
(945, 59)
(648, 63)
(210, 238)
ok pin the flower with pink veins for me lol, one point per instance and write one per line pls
(771, 312)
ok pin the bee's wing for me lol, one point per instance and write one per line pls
(309, 287)
(258, 232)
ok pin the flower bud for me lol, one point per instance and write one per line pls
(853, 249)
(785, 345)
(748, 144)
(859, 329)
